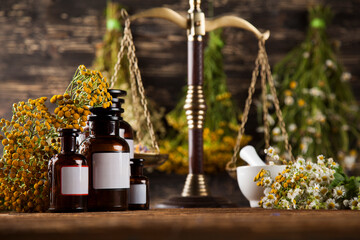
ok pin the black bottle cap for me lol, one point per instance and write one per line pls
(68, 132)
(99, 113)
(117, 102)
(137, 161)
(115, 93)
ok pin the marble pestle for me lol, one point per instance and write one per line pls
(249, 155)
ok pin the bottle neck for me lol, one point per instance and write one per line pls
(136, 170)
(68, 144)
(104, 128)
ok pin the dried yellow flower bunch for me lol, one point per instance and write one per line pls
(30, 139)
(88, 88)
(29, 142)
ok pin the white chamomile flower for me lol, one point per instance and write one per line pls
(292, 194)
(345, 127)
(316, 92)
(267, 181)
(353, 202)
(271, 120)
(308, 166)
(345, 76)
(330, 64)
(331, 204)
(292, 127)
(320, 159)
(267, 191)
(276, 131)
(349, 162)
(268, 204)
(334, 165)
(270, 197)
(325, 178)
(299, 162)
(289, 100)
(324, 190)
(277, 185)
(270, 151)
(306, 55)
(346, 203)
(313, 205)
(285, 204)
(315, 189)
(339, 192)
(311, 130)
(357, 207)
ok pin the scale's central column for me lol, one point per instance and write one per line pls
(195, 192)
(195, 107)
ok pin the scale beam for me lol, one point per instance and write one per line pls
(164, 13)
(210, 24)
(233, 21)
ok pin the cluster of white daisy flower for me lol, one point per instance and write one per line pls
(307, 185)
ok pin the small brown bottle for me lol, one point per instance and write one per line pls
(139, 186)
(109, 162)
(69, 176)
(126, 130)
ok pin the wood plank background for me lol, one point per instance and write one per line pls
(43, 41)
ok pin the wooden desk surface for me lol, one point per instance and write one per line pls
(228, 223)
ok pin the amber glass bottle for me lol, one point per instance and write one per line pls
(126, 130)
(109, 162)
(139, 187)
(69, 176)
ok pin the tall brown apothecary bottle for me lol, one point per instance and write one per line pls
(69, 176)
(126, 130)
(139, 198)
(109, 162)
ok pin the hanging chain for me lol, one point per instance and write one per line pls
(121, 52)
(265, 73)
(264, 98)
(135, 79)
(276, 102)
(244, 118)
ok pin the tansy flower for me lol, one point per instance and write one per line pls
(301, 102)
(293, 84)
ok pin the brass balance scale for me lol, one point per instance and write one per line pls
(195, 192)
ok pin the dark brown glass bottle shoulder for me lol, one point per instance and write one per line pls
(138, 181)
(104, 144)
(128, 131)
(139, 178)
(69, 159)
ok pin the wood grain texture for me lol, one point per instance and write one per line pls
(228, 223)
(43, 41)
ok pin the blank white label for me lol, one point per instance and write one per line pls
(122, 132)
(131, 146)
(75, 180)
(137, 194)
(111, 170)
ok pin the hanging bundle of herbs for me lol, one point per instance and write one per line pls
(319, 108)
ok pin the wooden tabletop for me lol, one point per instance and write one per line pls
(206, 223)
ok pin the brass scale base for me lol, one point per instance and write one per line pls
(196, 195)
